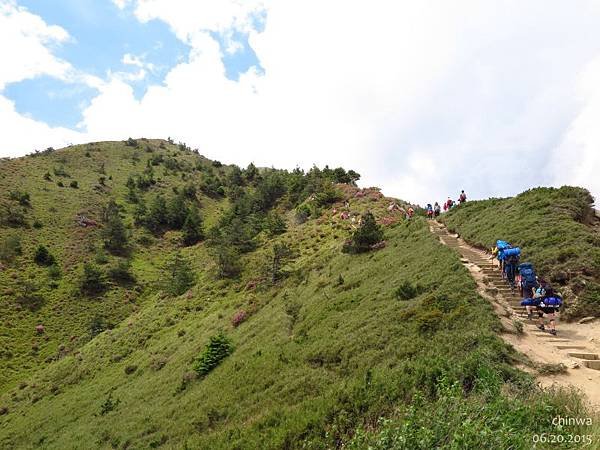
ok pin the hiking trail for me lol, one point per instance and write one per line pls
(576, 345)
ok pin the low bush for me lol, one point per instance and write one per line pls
(218, 348)
(10, 248)
(92, 280)
(238, 318)
(43, 257)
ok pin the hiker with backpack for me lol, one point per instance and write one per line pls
(528, 284)
(429, 211)
(549, 305)
(450, 203)
(511, 261)
(462, 198)
(436, 209)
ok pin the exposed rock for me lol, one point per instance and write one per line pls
(587, 320)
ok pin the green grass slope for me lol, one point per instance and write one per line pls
(556, 230)
(391, 348)
(49, 219)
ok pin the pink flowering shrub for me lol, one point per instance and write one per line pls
(239, 317)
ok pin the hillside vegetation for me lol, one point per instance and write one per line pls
(556, 230)
(218, 307)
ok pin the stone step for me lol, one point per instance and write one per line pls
(591, 364)
(558, 340)
(583, 355)
(570, 346)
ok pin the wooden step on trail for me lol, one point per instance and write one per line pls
(569, 346)
(592, 364)
(583, 355)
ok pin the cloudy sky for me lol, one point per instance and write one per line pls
(423, 98)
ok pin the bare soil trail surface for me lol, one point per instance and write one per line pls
(576, 346)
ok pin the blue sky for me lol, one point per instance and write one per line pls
(100, 35)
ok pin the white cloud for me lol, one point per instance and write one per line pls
(25, 51)
(24, 134)
(577, 159)
(423, 98)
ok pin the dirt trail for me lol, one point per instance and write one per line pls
(577, 346)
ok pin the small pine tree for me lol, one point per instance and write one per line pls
(228, 260)
(274, 224)
(116, 239)
(192, 227)
(156, 218)
(368, 234)
(281, 254)
(92, 280)
(177, 212)
(179, 275)
(43, 257)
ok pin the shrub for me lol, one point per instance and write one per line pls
(74, 184)
(97, 325)
(407, 291)
(13, 216)
(47, 176)
(92, 280)
(60, 184)
(54, 272)
(302, 214)
(22, 197)
(281, 254)
(131, 143)
(28, 297)
(274, 224)
(367, 235)
(238, 318)
(228, 261)
(37, 224)
(100, 258)
(43, 257)
(217, 349)
(61, 172)
(179, 276)
(192, 227)
(121, 272)
(116, 239)
(109, 405)
(10, 248)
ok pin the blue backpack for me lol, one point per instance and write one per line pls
(528, 278)
(551, 302)
(530, 302)
(512, 252)
(502, 245)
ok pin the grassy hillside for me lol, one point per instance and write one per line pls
(278, 339)
(31, 294)
(556, 230)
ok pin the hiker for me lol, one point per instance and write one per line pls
(494, 252)
(462, 198)
(511, 261)
(429, 211)
(410, 212)
(436, 209)
(528, 284)
(549, 305)
(450, 203)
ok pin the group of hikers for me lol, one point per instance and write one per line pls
(436, 209)
(538, 295)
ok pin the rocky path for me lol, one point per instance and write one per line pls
(576, 346)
